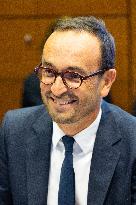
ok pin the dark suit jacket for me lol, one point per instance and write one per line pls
(31, 95)
(25, 145)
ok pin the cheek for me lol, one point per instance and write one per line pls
(95, 83)
(82, 92)
(89, 86)
(44, 88)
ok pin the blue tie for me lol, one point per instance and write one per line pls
(66, 195)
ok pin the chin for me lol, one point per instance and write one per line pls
(58, 118)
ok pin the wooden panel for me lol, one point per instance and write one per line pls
(82, 7)
(133, 48)
(62, 7)
(17, 57)
(18, 7)
(120, 94)
(119, 29)
(10, 95)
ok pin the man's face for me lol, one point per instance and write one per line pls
(79, 52)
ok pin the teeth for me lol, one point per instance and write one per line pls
(65, 103)
(62, 103)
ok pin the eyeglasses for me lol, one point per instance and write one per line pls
(69, 78)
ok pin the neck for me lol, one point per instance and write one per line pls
(74, 128)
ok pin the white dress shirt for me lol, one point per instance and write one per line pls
(82, 155)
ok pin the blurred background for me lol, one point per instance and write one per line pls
(24, 24)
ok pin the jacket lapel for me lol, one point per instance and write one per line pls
(104, 160)
(38, 160)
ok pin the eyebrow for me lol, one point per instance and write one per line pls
(77, 69)
(70, 68)
(47, 63)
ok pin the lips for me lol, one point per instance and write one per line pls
(63, 102)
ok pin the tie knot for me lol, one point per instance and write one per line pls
(68, 143)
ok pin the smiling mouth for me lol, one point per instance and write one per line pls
(63, 102)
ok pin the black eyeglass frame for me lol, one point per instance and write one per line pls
(61, 74)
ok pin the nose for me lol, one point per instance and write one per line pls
(58, 87)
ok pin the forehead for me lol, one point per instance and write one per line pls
(72, 46)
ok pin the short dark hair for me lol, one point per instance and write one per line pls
(94, 26)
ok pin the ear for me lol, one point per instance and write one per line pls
(107, 81)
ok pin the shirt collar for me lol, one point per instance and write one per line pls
(85, 139)
(57, 134)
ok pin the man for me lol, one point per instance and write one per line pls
(36, 162)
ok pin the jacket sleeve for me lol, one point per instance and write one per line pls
(5, 193)
(133, 188)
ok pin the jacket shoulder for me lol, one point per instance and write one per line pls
(117, 111)
(21, 118)
(123, 120)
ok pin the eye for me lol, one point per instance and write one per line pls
(47, 72)
(72, 76)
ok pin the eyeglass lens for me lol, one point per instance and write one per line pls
(71, 79)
